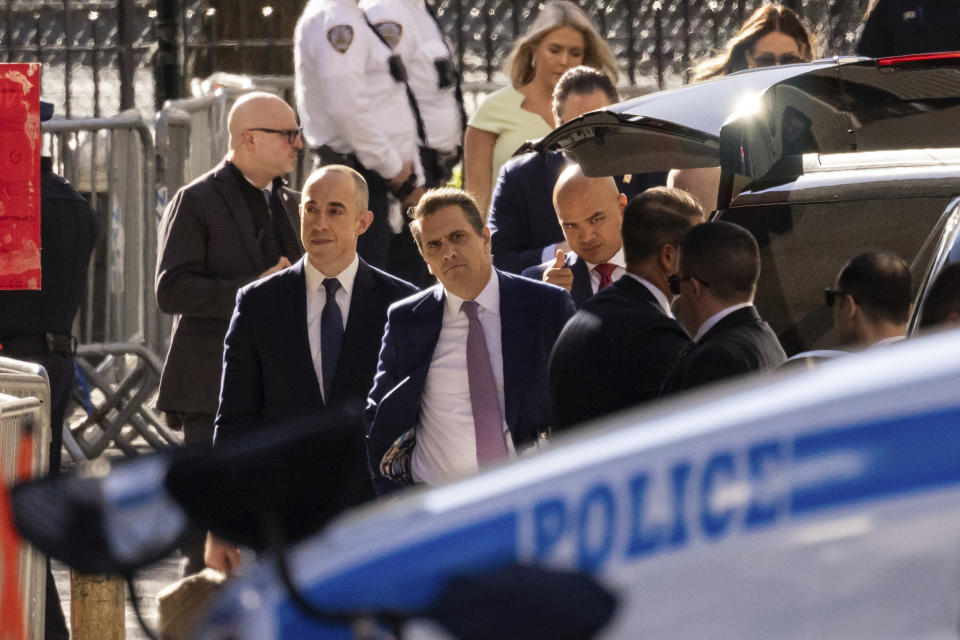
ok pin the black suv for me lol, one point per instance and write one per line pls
(820, 161)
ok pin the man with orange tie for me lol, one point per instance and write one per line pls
(590, 212)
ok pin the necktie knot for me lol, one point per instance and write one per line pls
(470, 307)
(331, 285)
(266, 195)
(606, 273)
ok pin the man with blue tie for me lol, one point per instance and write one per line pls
(306, 339)
(462, 377)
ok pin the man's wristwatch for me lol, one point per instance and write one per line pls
(406, 188)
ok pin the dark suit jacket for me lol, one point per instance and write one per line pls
(523, 221)
(268, 375)
(738, 344)
(582, 290)
(531, 316)
(207, 251)
(614, 353)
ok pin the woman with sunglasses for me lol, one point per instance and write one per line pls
(772, 35)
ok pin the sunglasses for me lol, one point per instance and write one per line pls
(771, 60)
(675, 280)
(292, 134)
(830, 296)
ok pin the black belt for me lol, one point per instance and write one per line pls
(38, 345)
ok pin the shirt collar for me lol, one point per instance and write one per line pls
(717, 317)
(315, 277)
(655, 291)
(886, 341)
(489, 297)
(617, 260)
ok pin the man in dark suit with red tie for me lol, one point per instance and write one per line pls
(590, 211)
(306, 339)
(623, 342)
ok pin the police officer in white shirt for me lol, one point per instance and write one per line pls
(355, 110)
(411, 30)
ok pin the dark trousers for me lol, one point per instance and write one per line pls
(197, 432)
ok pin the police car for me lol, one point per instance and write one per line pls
(821, 504)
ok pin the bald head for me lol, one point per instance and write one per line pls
(253, 110)
(572, 183)
(264, 137)
(357, 183)
(590, 212)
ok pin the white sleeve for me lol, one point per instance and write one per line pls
(332, 87)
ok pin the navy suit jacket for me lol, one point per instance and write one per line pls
(531, 317)
(613, 354)
(523, 221)
(740, 343)
(268, 374)
(581, 290)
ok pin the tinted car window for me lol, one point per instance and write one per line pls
(804, 245)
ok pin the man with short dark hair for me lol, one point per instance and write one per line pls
(620, 346)
(590, 211)
(462, 377)
(942, 306)
(306, 339)
(715, 284)
(871, 301)
(523, 222)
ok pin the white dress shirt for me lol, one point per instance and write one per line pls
(655, 292)
(347, 98)
(420, 44)
(317, 298)
(617, 261)
(717, 317)
(446, 439)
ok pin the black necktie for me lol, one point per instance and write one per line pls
(331, 335)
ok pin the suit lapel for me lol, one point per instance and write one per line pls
(293, 314)
(289, 235)
(582, 289)
(517, 338)
(360, 330)
(229, 189)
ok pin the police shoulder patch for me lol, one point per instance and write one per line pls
(390, 32)
(340, 37)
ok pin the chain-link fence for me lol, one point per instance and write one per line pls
(99, 56)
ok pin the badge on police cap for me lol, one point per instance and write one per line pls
(390, 32)
(340, 37)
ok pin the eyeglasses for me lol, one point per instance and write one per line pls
(292, 134)
(830, 296)
(675, 280)
(770, 60)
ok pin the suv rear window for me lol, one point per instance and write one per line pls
(804, 245)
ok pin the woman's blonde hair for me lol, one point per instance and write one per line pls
(556, 15)
(767, 19)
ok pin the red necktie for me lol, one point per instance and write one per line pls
(606, 274)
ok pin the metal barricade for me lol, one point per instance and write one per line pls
(25, 404)
(112, 162)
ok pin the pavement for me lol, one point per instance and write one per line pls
(149, 582)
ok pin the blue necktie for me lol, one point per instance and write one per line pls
(331, 335)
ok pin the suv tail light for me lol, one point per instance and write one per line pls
(917, 57)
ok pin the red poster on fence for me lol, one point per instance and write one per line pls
(20, 176)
